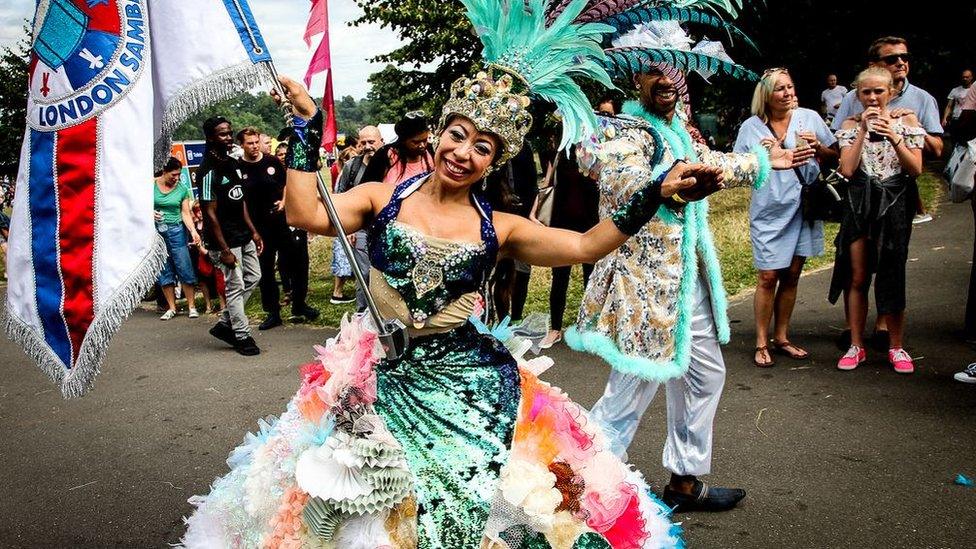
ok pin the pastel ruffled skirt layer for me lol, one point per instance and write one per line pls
(456, 445)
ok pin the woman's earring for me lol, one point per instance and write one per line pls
(484, 184)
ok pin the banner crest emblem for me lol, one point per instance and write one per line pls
(86, 55)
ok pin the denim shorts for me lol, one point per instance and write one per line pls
(178, 264)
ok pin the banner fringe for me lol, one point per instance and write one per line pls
(78, 381)
(202, 94)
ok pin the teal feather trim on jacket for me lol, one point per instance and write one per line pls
(660, 347)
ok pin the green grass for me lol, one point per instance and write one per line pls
(730, 225)
(729, 219)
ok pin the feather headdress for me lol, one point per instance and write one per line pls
(648, 34)
(525, 53)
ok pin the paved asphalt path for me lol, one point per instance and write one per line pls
(829, 459)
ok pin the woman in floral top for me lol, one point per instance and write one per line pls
(881, 154)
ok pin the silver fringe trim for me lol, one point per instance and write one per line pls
(201, 94)
(78, 380)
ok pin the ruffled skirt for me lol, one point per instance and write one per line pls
(456, 445)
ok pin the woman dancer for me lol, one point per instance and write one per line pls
(881, 155)
(453, 444)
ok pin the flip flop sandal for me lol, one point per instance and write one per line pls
(768, 364)
(782, 346)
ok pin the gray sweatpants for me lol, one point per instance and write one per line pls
(239, 282)
(362, 259)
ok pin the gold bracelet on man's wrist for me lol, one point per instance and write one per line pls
(677, 198)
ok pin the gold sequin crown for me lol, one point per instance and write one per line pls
(493, 107)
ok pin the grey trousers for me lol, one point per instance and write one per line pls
(239, 282)
(692, 399)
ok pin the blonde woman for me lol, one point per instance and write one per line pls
(882, 155)
(781, 238)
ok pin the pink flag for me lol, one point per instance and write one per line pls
(318, 21)
(322, 62)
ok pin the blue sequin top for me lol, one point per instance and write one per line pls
(427, 278)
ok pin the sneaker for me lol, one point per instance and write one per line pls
(921, 218)
(852, 358)
(224, 333)
(246, 346)
(553, 337)
(340, 299)
(273, 320)
(901, 361)
(193, 314)
(170, 313)
(968, 375)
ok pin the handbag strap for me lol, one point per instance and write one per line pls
(796, 169)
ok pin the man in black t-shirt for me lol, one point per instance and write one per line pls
(228, 233)
(264, 185)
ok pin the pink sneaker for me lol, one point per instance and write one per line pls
(854, 356)
(901, 361)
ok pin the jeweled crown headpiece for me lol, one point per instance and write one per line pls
(492, 106)
(522, 50)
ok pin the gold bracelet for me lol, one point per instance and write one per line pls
(677, 198)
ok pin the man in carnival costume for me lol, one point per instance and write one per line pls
(655, 309)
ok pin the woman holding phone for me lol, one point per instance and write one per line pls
(781, 238)
(881, 155)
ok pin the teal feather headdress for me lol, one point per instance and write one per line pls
(523, 50)
(647, 34)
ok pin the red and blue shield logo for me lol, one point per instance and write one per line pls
(86, 55)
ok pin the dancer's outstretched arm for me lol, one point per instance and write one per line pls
(539, 245)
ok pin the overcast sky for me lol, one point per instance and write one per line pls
(283, 24)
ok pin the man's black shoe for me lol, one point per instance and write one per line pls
(273, 320)
(247, 346)
(703, 498)
(224, 333)
(310, 313)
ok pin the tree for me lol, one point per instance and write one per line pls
(13, 101)
(432, 31)
(246, 109)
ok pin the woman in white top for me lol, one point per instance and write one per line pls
(881, 155)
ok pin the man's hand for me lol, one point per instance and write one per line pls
(258, 242)
(279, 206)
(157, 215)
(900, 112)
(691, 181)
(227, 258)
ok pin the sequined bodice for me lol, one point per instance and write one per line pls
(429, 277)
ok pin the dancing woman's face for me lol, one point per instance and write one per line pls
(464, 153)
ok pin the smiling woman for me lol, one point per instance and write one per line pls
(456, 443)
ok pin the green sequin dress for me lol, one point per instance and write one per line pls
(496, 457)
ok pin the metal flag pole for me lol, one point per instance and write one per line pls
(392, 333)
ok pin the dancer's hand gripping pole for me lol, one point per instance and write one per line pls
(392, 333)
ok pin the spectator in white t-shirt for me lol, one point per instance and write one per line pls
(954, 106)
(831, 98)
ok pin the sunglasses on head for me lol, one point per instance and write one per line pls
(895, 57)
(415, 114)
(774, 70)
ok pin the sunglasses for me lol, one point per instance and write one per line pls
(415, 114)
(775, 70)
(895, 57)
